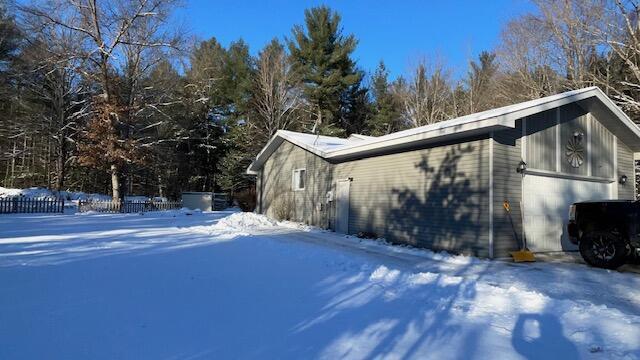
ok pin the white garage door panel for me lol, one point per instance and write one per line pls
(546, 209)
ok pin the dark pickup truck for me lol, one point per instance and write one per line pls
(607, 232)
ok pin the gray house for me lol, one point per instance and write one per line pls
(442, 186)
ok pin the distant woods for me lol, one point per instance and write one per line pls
(111, 96)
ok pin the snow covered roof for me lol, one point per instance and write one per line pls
(474, 124)
(314, 143)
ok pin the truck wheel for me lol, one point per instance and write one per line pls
(603, 249)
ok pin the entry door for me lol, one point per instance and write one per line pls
(546, 202)
(342, 206)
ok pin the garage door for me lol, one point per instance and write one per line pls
(546, 202)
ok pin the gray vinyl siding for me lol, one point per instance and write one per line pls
(259, 193)
(507, 185)
(625, 167)
(601, 150)
(541, 140)
(276, 196)
(436, 197)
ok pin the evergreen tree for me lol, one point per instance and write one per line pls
(356, 109)
(220, 85)
(163, 88)
(321, 59)
(10, 38)
(237, 79)
(481, 82)
(204, 79)
(207, 101)
(385, 116)
(233, 166)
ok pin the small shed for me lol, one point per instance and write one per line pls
(198, 200)
(205, 201)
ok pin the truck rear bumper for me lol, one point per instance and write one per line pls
(572, 230)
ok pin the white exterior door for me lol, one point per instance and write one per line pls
(342, 206)
(546, 202)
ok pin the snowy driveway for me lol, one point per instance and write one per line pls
(173, 286)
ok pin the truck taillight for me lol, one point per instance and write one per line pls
(572, 213)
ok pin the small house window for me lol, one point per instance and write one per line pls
(299, 179)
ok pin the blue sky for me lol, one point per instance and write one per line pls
(398, 32)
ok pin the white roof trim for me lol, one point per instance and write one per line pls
(473, 124)
(360, 137)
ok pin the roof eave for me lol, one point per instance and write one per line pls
(250, 170)
(635, 129)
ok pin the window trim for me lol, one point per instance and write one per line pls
(294, 183)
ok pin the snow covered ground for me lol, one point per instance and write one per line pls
(183, 285)
(43, 193)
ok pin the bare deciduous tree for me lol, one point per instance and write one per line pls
(619, 34)
(113, 36)
(426, 98)
(276, 96)
(526, 64)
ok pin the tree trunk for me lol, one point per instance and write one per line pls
(115, 183)
(60, 162)
(13, 164)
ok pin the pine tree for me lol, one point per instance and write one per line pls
(10, 38)
(164, 89)
(481, 83)
(233, 166)
(321, 59)
(219, 94)
(237, 79)
(356, 109)
(204, 79)
(385, 117)
(206, 105)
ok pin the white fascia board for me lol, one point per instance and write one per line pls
(250, 168)
(266, 151)
(620, 115)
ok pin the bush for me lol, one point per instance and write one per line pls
(246, 199)
(283, 208)
(367, 235)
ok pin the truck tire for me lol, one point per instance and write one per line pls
(603, 249)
